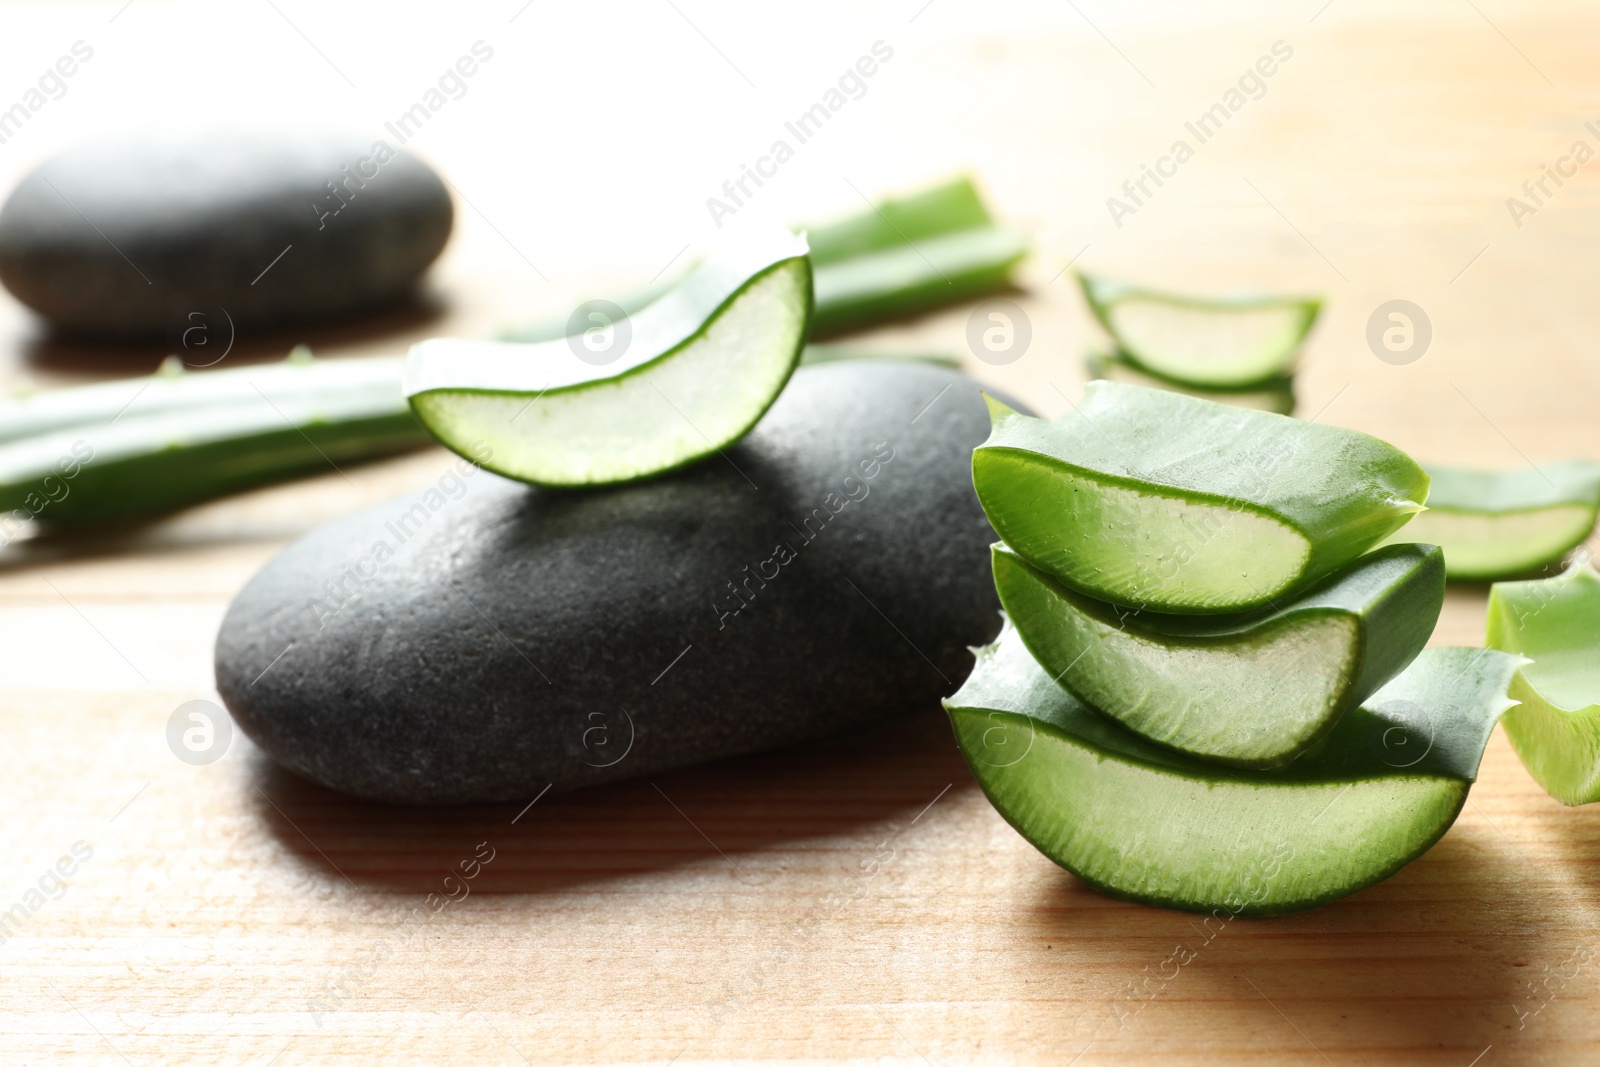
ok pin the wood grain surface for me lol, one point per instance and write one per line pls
(857, 900)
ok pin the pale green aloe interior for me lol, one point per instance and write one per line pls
(678, 407)
(1136, 830)
(1138, 545)
(1492, 544)
(1214, 343)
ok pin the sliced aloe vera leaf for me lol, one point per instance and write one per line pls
(176, 389)
(146, 464)
(1275, 394)
(1232, 341)
(1163, 502)
(929, 272)
(1147, 824)
(815, 354)
(1502, 524)
(902, 256)
(1555, 622)
(1250, 691)
(702, 366)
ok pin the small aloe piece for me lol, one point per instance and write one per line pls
(1227, 342)
(1162, 502)
(902, 256)
(700, 367)
(1555, 622)
(1144, 823)
(1275, 394)
(1251, 691)
(1502, 524)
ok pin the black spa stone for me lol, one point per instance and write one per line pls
(484, 639)
(151, 236)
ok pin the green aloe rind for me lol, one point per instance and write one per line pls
(700, 367)
(1157, 501)
(1142, 822)
(1503, 524)
(1226, 342)
(1251, 691)
(1275, 394)
(1555, 623)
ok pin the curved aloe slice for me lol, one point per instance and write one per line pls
(1556, 730)
(1275, 394)
(1158, 501)
(1252, 691)
(1141, 822)
(1500, 524)
(701, 367)
(1232, 341)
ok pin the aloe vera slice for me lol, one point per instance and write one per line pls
(1163, 502)
(1147, 824)
(1275, 394)
(1501, 524)
(1232, 341)
(1251, 691)
(702, 366)
(1556, 729)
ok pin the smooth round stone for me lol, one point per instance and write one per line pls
(829, 571)
(135, 237)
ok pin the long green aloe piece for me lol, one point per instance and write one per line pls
(1147, 824)
(150, 445)
(1502, 524)
(1251, 691)
(1228, 342)
(699, 368)
(902, 256)
(1162, 502)
(1275, 394)
(1555, 622)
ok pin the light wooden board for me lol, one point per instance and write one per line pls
(857, 900)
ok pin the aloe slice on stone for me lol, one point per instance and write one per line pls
(1251, 691)
(1502, 524)
(1555, 622)
(1231, 341)
(1163, 502)
(1275, 394)
(690, 375)
(1147, 824)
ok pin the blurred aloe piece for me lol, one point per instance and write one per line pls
(1275, 394)
(1504, 524)
(902, 256)
(1224, 342)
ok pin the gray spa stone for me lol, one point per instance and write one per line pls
(485, 638)
(134, 237)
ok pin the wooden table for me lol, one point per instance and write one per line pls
(857, 900)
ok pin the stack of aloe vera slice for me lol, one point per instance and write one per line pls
(1211, 692)
(1238, 350)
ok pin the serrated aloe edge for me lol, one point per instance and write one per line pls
(1505, 524)
(1226, 342)
(1251, 691)
(693, 372)
(1162, 502)
(1555, 623)
(1147, 824)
